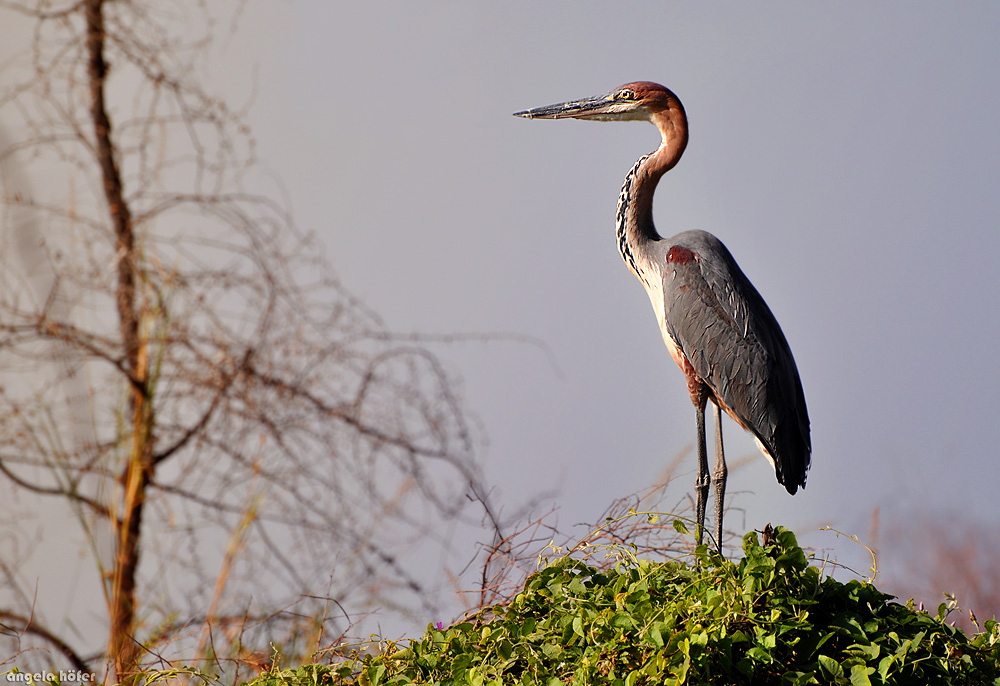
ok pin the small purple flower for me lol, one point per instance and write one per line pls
(439, 625)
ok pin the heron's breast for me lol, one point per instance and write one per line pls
(654, 289)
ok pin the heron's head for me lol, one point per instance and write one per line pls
(641, 100)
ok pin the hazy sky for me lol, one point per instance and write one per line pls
(848, 154)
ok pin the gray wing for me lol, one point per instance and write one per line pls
(732, 340)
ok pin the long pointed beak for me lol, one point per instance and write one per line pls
(597, 107)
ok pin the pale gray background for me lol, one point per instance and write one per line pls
(848, 154)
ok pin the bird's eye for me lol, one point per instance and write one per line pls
(626, 94)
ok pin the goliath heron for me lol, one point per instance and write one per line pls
(717, 327)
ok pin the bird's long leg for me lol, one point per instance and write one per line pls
(719, 477)
(701, 485)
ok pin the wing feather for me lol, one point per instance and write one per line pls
(725, 329)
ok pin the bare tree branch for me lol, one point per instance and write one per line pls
(27, 625)
(237, 357)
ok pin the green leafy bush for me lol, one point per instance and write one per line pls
(771, 618)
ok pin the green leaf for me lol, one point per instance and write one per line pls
(870, 651)
(622, 621)
(830, 668)
(655, 635)
(680, 527)
(551, 650)
(859, 675)
(885, 665)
